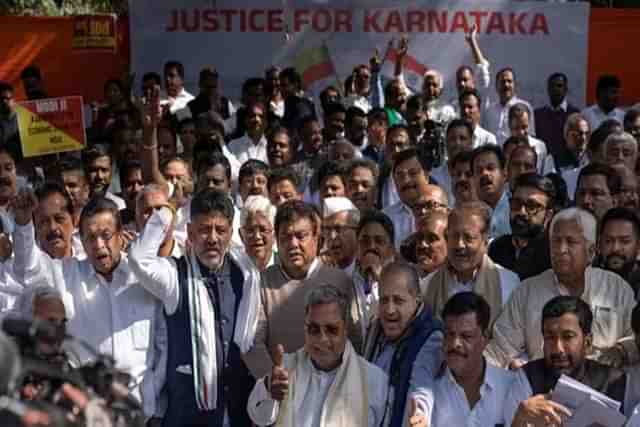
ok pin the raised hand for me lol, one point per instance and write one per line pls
(23, 205)
(151, 110)
(375, 62)
(416, 417)
(403, 46)
(472, 35)
(279, 386)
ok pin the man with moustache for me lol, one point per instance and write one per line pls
(325, 382)
(468, 390)
(284, 185)
(463, 189)
(621, 148)
(253, 145)
(257, 233)
(53, 222)
(285, 286)
(411, 173)
(177, 97)
(72, 176)
(489, 178)
(470, 109)
(151, 198)
(375, 249)
(431, 242)
(105, 306)
(362, 183)
(619, 245)
(526, 250)
(597, 185)
(340, 218)
(253, 178)
(516, 332)
(468, 266)
(566, 325)
(458, 139)
(405, 341)
(99, 169)
(8, 175)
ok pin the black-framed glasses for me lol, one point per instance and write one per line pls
(530, 206)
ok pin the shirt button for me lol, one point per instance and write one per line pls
(224, 321)
(226, 343)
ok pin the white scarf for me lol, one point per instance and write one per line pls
(347, 403)
(203, 324)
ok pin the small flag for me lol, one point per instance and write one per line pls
(414, 70)
(314, 64)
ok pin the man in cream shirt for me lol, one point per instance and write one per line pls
(325, 383)
(516, 333)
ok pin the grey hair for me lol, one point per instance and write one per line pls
(585, 220)
(620, 137)
(257, 204)
(408, 270)
(328, 294)
(437, 74)
(572, 122)
(149, 189)
(24, 305)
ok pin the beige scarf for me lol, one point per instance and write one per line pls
(487, 284)
(347, 403)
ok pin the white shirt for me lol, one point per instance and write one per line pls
(244, 149)
(179, 102)
(481, 136)
(118, 318)
(634, 421)
(452, 407)
(496, 118)
(519, 390)
(263, 411)
(403, 222)
(595, 116)
(570, 177)
(508, 282)
(277, 107)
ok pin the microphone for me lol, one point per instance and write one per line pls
(39, 329)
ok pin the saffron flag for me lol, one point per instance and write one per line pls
(50, 126)
(314, 64)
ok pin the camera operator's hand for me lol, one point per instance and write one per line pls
(94, 410)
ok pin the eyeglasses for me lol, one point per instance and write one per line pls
(530, 206)
(317, 330)
(105, 236)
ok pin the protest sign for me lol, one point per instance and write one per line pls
(327, 38)
(51, 125)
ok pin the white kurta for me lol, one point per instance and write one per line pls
(496, 118)
(244, 148)
(263, 410)
(517, 331)
(118, 318)
(452, 407)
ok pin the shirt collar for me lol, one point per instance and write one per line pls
(488, 380)
(315, 265)
(562, 107)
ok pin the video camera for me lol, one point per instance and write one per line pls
(433, 142)
(44, 374)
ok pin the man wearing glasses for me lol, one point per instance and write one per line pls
(526, 250)
(286, 285)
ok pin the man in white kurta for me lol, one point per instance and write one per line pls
(516, 333)
(324, 384)
(105, 306)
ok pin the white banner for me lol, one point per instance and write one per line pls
(241, 38)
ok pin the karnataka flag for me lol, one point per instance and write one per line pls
(314, 64)
(413, 69)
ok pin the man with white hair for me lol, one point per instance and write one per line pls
(256, 230)
(436, 109)
(621, 148)
(516, 333)
(340, 218)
